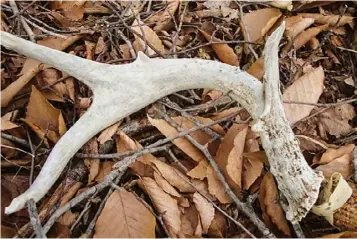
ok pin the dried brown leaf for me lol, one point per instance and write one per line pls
(108, 133)
(216, 188)
(165, 185)
(307, 35)
(7, 232)
(7, 124)
(335, 120)
(205, 209)
(73, 10)
(224, 52)
(273, 214)
(150, 36)
(341, 164)
(297, 24)
(258, 23)
(332, 154)
(190, 222)
(218, 226)
(307, 88)
(173, 176)
(104, 169)
(164, 203)
(42, 114)
(91, 147)
(199, 171)
(124, 216)
(331, 20)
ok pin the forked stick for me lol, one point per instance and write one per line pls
(120, 90)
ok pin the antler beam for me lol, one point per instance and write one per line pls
(120, 90)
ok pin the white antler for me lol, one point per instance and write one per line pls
(124, 89)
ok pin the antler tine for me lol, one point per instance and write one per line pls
(80, 68)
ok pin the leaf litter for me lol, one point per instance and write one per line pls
(169, 193)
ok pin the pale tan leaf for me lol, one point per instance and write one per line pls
(124, 216)
(173, 176)
(164, 203)
(336, 120)
(332, 154)
(107, 134)
(165, 185)
(273, 214)
(331, 20)
(224, 52)
(297, 24)
(7, 124)
(307, 88)
(205, 209)
(68, 218)
(341, 164)
(199, 171)
(259, 22)
(216, 188)
(252, 170)
(100, 47)
(148, 34)
(62, 128)
(307, 35)
(288, 5)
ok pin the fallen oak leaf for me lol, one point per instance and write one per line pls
(164, 203)
(307, 88)
(307, 35)
(332, 154)
(273, 214)
(297, 24)
(205, 209)
(128, 217)
(258, 23)
(331, 20)
(224, 52)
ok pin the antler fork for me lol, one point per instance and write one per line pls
(120, 90)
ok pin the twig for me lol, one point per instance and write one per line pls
(35, 221)
(347, 49)
(44, 30)
(321, 104)
(32, 157)
(27, 28)
(244, 207)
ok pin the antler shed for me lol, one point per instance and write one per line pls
(120, 90)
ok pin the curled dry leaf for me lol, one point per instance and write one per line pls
(163, 18)
(124, 216)
(341, 164)
(331, 20)
(335, 121)
(307, 88)
(50, 76)
(307, 35)
(333, 196)
(258, 23)
(205, 209)
(273, 214)
(297, 24)
(164, 203)
(73, 10)
(224, 52)
(42, 117)
(150, 36)
(332, 154)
